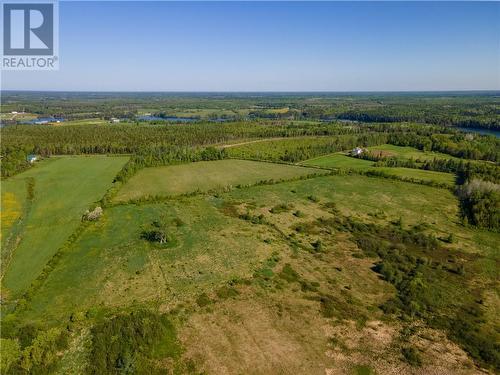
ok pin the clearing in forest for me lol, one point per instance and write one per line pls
(204, 176)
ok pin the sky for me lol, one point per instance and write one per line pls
(272, 46)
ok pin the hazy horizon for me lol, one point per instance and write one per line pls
(272, 47)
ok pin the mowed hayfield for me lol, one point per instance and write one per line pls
(339, 160)
(64, 187)
(408, 153)
(204, 176)
(420, 174)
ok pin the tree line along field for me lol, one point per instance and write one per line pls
(258, 246)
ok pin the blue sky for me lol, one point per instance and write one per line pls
(272, 46)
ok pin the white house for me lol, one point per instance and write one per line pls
(357, 151)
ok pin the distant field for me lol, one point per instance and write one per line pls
(408, 152)
(339, 160)
(206, 175)
(440, 177)
(64, 187)
(90, 121)
(279, 148)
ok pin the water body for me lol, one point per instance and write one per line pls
(43, 120)
(496, 133)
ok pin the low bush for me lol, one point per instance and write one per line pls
(131, 343)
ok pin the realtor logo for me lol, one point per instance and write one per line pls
(30, 29)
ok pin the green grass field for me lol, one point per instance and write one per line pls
(204, 176)
(409, 152)
(64, 187)
(237, 265)
(420, 174)
(89, 121)
(13, 203)
(111, 265)
(339, 160)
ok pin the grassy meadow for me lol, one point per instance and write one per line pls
(204, 176)
(407, 152)
(342, 161)
(63, 188)
(419, 174)
(339, 160)
(239, 272)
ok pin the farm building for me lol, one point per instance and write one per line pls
(31, 158)
(357, 151)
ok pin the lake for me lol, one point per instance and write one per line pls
(496, 133)
(43, 120)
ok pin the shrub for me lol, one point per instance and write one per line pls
(203, 300)
(289, 274)
(226, 292)
(127, 343)
(157, 232)
(93, 215)
(411, 356)
(280, 208)
(313, 198)
(317, 246)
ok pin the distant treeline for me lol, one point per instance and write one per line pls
(458, 145)
(478, 110)
(485, 121)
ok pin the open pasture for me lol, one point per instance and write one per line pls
(342, 161)
(407, 153)
(112, 265)
(204, 176)
(419, 174)
(339, 160)
(379, 200)
(63, 188)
